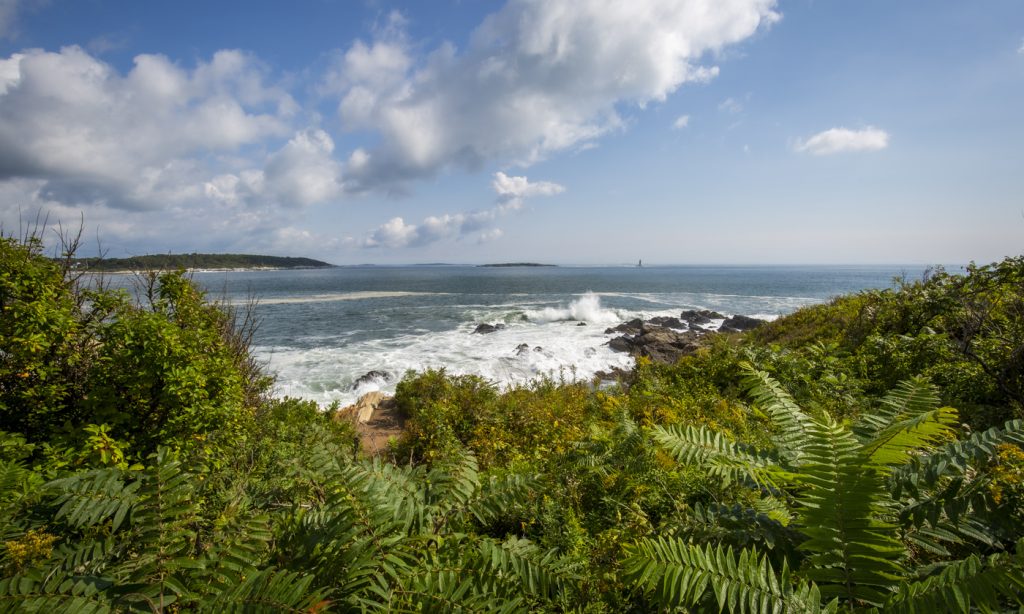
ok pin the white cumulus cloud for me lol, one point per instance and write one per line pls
(511, 192)
(681, 122)
(93, 133)
(520, 187)
(840, 140)
(536, 77)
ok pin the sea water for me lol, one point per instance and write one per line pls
(322, 329)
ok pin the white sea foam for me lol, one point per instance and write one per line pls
(586, 308)
(556, 349)
(535, 342)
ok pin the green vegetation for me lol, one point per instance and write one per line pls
(173, 262)
(864, 455)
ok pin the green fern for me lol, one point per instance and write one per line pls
(974, 583)
(676, 574)
(772, 398)
(725, 459)
(89, 498)
(54, 592)
(848, 485)
(852, 550)
(268, 590)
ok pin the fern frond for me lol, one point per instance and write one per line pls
(499, 495)
(771, 397)
(161, 533)
(537, 572)
(955, 500)
(967, 585)
(237, 552)
(269, 590)
(91, 497)
(957, 457)
(446, 591)
(912, 397)
(894, 444)
(738, 526)
(677, 574)
(723, 458)
(357, 541)
(86, 556)
(54, 593)
(853, 553)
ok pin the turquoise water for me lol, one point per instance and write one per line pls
(321, 329)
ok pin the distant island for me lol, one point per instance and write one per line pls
(506, 264)
(162, 262)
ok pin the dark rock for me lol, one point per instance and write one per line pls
(521, 348)
(658, 343)
(538, 349)
(621, 344)
(369, 376)
(739, 324)
(581, 324)
(704, 316)
(632, 327)
(667, 322)
(484, 329)
(613, 373)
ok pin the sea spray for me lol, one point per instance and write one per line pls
(586, 308)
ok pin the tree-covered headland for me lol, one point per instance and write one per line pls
(173, 262)
(861, 455)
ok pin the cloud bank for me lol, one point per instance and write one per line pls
(841, 140)
(537, 77)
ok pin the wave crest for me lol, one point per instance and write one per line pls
(587, 308)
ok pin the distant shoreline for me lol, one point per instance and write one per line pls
(517, 264)
(197, 263)
(210, 270)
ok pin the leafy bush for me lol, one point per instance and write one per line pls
(170, 369)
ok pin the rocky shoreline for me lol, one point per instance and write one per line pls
(666, 339)
(662, 339)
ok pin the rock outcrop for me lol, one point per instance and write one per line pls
(702, 317)
(739, 324)
(369, 377)
(484, 329)
(630, 328)
(362, 410)
(377, 420)
(666, 339)
(658, 343)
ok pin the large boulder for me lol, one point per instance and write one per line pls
(362, 410)
(630, 328)
(484, 329)
(667, 322)
(622, 344)
(371, 377)
(704, 316)
(739, 324)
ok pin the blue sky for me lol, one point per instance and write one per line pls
(589, 132)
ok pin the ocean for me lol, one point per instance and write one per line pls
(322, 329)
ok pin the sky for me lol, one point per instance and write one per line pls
(559, 131)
